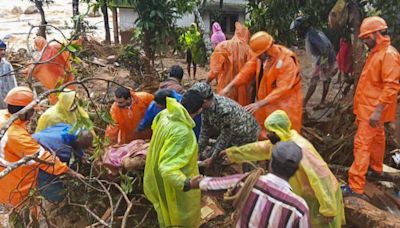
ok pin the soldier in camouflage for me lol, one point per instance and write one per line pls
(233, 124)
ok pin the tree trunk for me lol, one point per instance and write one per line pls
(104, 10)
(43, 22)
(75, 14)
(75, 7)
(358, 47)
(147, 51)
(363, 214)
(115, 25)
(204, 34)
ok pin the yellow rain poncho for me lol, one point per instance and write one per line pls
(171, 159)
(313, 181)
(60, 112)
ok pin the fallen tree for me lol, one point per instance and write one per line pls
(363, 214)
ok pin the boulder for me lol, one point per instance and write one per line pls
(16, 10)
(31, 10)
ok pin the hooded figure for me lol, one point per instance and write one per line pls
(56, 71)
(195, 49)
(170, 162)
(313, 181)
(66, 110)
(218, 35)
(227, 60)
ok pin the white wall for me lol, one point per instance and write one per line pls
(127, 19)
(185, 21)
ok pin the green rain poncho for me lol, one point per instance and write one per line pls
(172, 158)
(313, 181)
(193, 41)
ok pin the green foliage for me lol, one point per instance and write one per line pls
(156, 20)
(275, 16)
(126, 183)
(106, 117)
(389, 10)
(129, 56)
(99, 145)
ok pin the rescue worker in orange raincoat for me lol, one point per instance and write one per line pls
(375, 102)
(18, 143)
(278, 82)
(56, 70)
(226, 61)
(127, 112)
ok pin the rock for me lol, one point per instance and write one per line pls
(31, 10)
(16, 10)
(116, 64)
(111, 59)
(100, 62)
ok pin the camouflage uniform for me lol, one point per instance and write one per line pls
(233, 124)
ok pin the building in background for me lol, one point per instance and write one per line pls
(124, 17)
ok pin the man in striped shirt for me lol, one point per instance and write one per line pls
(271, 202)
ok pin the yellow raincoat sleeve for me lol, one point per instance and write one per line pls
(323, 184)
(176, 156)
(257, 151)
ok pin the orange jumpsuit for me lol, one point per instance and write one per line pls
(15, 144)
(127, 119)
(280, 85)
(378, 84)
(55, 71)
(226, 61)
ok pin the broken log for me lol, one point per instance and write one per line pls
(363, 214)
(380, 199)
(392, 177)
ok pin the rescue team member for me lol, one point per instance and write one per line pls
(375, 101)
(69, 146)
(174, 80)
(227, 60)
(270, 192)
(313, 181)
(160, 103)
(66, 110)
(127, 112)
(171, 162)
(232, 124)
(18, 143)
(278, 83)
(57, 67)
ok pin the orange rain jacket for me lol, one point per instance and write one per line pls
(127, 119)
(58, 69)
(226, 61)
(15, 144)
(379, 82)
(280, 84)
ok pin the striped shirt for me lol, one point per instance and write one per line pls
(270, 204)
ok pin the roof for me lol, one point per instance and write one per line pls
(226, 7)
